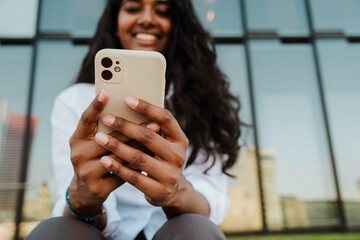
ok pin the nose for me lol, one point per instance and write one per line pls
(147, 17)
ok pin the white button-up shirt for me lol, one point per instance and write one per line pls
(127, 210)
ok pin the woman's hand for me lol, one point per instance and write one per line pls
(164, 185)
(92, 183)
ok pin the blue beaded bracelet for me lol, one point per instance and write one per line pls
(90, 219)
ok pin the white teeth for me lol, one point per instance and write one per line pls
(145, 36)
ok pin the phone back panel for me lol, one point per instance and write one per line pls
(134, 73)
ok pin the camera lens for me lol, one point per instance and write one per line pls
(106, 75)
(106, 62)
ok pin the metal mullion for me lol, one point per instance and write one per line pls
(228, 40)
(28, 130)
(265, 229)
(339, 202)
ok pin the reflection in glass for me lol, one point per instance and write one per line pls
(75, 18)
(284, 17)
(220, 18)
(298, 185)
(340, 70)
(245, 212)
(14, 76)
(58, 64)
(18, 18)
(335, 15)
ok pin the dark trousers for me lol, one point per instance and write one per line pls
(186, 226)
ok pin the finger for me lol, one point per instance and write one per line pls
(95, 170)
(119, 136)
(148, 186)
(163, 117)
(89, 118)
(116, 158)
(92, 171)
(86, 150)
(122, 138)
(111, 182)
(153, 141)
(133, 156)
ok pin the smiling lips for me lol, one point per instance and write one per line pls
(146, 37)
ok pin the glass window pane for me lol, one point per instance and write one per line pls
(220, 18)
(85, 15)
(18, 18)
(245, 212)
(231, 60)
(55, 16)
(340, 71)
(298, 184)
(57, 68)
(335, 15)
(270, 15)
(15, 65)
(76, 18)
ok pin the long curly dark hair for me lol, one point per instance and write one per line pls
(201, 101)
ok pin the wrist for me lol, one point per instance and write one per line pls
(80, 206)
(178, 203)
(188, 200)
(91, 219)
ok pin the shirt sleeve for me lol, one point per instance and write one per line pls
(64, 119)
(213, 185)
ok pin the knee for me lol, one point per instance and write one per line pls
(44, 229)
(64, 228)
(189, 226)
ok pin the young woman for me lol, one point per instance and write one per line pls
(184, 190)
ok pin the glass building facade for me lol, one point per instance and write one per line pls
(294, 64)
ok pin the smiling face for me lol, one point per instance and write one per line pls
(144, 24)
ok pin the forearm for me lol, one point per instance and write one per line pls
(189, 201)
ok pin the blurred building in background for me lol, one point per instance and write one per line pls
(294, 64)
(13, 127)
(358, 184)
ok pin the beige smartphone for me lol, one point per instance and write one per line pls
(129, 73)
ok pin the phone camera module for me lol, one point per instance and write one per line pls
(117, 69)
(106, 75)
(106, 62)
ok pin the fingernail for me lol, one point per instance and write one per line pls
(101, 96)
(108, 119)
(102, 138)
(106, 161)
(153, 126)
(132, 102)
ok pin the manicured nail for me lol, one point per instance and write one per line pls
(153, 126)
(132, 102)
(106, 161)
(102, 137)
(101, 96)
(108, 119)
